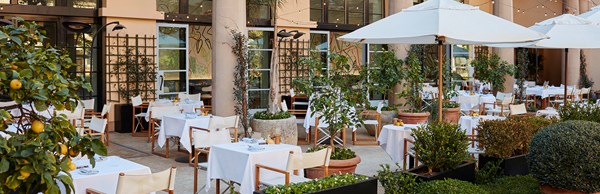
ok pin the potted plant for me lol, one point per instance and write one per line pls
(342, 160)
(508, 141)
(336, 184)
(384, 73)
(492, 69)
(36, 150)
(442, 148)
(412, 86)
(564, 157)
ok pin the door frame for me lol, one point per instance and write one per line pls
(159, 72)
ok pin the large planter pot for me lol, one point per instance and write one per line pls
(413, 118)
(547, 189)
(289, 128)
(366, 186)
(516, 165)
(123, 114)
(451, 115)
(465, 172)
(386, 119)
(335, 167)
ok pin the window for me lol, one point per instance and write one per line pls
(37, 2)
(5, 1)
(258, 11)
(372, 51)
(319, 41)
(260, 48)
(87, 4)
(168, 6)
(354, 12)
(316, 10)
(375, 10)
(172, 59)
(461, 56)
(336, 11)
(200, 7)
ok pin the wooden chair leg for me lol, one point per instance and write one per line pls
(167, 149)
(133, 124)
(353, 137)
(107, 136)
(195, 172)
(218, 186)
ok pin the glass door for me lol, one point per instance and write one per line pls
(172, 74)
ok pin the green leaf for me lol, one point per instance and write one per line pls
(26, 73)
(40, 105)
(4, 165)
(99, 147)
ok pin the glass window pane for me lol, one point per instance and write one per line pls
(259, 80)
(318, 42)
(336, 11)
(259, 59)
(37, 2)
(258, 99)
(171, 37)
(260, 39)
(200, 7)
(376, 6)
(316, 6)
(171, 59)
(168, 6)
(175, 82)
(200, 51)
(88, 4)
(258, 11)
(356, 18)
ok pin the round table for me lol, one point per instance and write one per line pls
(391, 139)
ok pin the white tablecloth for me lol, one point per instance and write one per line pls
(235, 162)
(190, 105)
(467, 123)
(544, 93)
(391, 139)
(483, 98)
(179, 126)
(108, 174)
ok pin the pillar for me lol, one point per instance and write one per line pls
(503, 9)
(574, 62)
(401, 50)
(227, 15)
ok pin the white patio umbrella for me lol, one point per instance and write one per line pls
(593, 14)
(566, 31)
(442, 22)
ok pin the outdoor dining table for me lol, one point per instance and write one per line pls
(106, 179)
(179, 126)
(236, 162)
(391, 139)
(483, 98)
(544, 93)
(468, 123)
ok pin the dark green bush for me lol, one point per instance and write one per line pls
(449, 186)
(509, 137)
(587, 112)
(316, 185)
(339, 153)
(567, 156)
(440, 146)
(489, 173)
(513, 185)
(264, 115)
(396, 181)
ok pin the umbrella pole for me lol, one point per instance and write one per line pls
(566, 69)
(440, 81)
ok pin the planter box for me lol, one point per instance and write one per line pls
(366, 186)
(123, 114)
(465, 172)
(288, 127)
(516, 165)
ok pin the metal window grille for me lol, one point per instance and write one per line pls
(290, 52)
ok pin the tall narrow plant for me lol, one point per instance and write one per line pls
(240, 75)
(384, 73)
(492, 69)
(522, 71)
(413, 79)
(584, 80)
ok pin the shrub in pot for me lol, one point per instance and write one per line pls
(412, 85)
(449, 186)
(585, 112)
(565, 156)
(396, 181)
(342, 160)
(342, 183)
(442, 147)
(508, 140)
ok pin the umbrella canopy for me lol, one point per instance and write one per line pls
(457, 22)
(442, 22)
(592, 15)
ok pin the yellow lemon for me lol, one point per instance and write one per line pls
(73, 153)
(63, 149)
(16, 84)
(72, 166)
(37, 126)
(24, 173)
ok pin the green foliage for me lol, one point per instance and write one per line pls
(335, 93)
(565, 155)
(509, 137)
(385, 72)
(396, 182)
(138, 74)
(413, 78)
(440, 146)
(492, 69)
(392, 107)
(513, 185)
(338, 153)
(47, 82)
(316, 185)
(490, 172)
(449, 186)
(522, 71)
(264, 115)
(584, 112)
(584, 79)
(240, 77)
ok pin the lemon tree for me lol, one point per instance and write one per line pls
(36, 76)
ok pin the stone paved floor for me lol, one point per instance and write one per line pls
(138, 150)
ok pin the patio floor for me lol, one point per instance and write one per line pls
(138, 150)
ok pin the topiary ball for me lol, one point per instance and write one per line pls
(449, 186)
(567, 156)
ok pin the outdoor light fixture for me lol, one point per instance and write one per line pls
(297, 34)
(283, 34)
(77, 27)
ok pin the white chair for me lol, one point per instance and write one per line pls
(138, 114)
(469, 104)
(98, 128)
(376, 122)
(295, 163)
(156, 114)
(293, 98)
(138, 184)
(559, 99)
(502, 108)
(518, 109)
(182, 96)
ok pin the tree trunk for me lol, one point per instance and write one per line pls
(274, 97)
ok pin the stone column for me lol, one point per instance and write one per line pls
(401, 50)
(227, 15)
(574, 62)
(503, 9)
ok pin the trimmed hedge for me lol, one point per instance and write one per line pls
(513, 185)
(440, 146)
(264, 115)
(567, 156)
(449, 186)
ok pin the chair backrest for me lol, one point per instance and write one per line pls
(207, 89)
(499, 96)
(205, 139)
(585, 91)
(284, 107)
(508, 98)
(98, 124)
(138, 184)
(518, 109)
(468, 100)
(158, 112)
(379, 107)
(105, 109)
(308, 160)
(292, 93)
(88, 104)
(136, 100)
(217, 122)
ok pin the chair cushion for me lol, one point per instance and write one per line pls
(280, 180)
(371, 122)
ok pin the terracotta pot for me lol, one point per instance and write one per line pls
(335, 167)
(547, 189)
(413, 118)
(451, 115)
(386, 119)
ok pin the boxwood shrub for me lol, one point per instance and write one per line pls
(567, 156)
(585, 112)
(440, 146)
(264, 115)
(448, 186)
